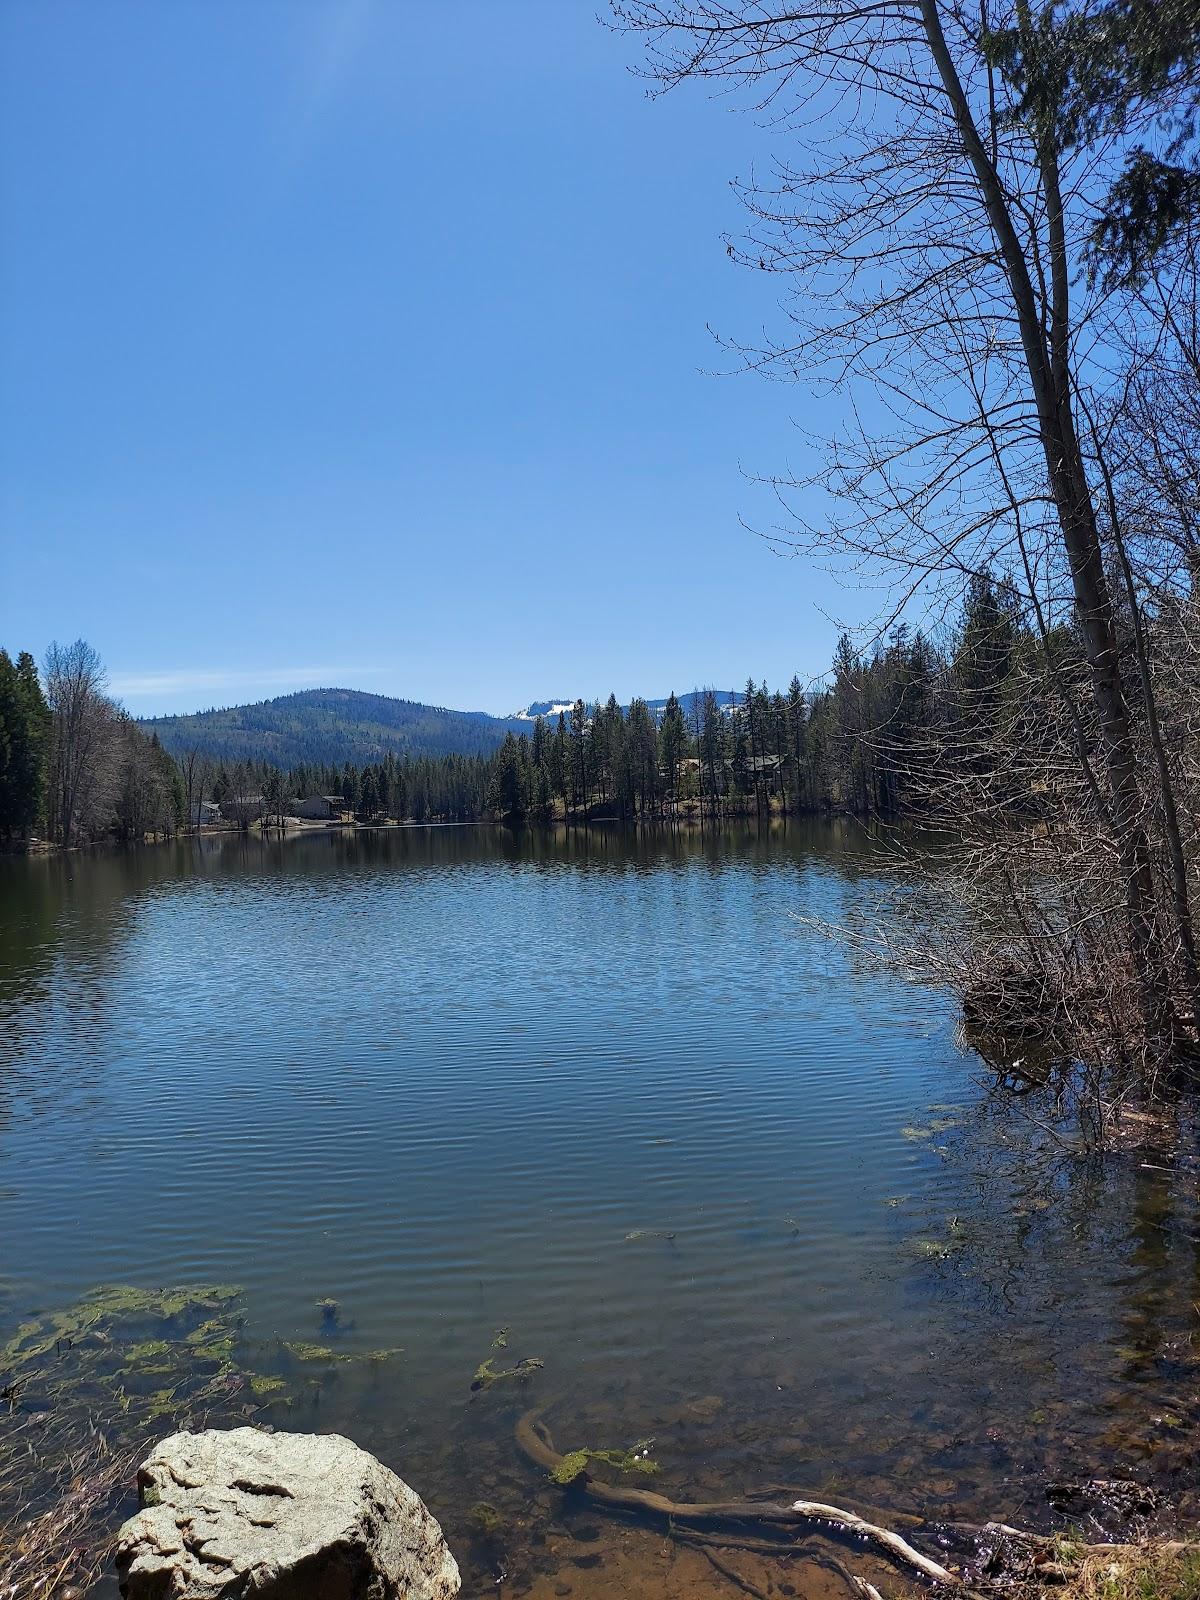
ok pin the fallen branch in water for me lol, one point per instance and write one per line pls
(533, 1439)
(746, 1585)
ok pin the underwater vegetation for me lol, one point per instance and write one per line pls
(487, 1373)
(576, 1462)
(86, 1388)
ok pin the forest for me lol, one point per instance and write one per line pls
(74, 768)
(331, 726)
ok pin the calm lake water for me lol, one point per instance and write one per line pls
(737, 1192)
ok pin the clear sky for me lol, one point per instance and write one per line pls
(364, 342)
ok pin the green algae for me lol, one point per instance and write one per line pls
(930, 1249)
(572, 1466)
(485, 1519)
(576, 1462)
(219, 1352)
(487, 1373)
(211, 1330)
(110, 1374)
(163, 1403)
(93, 1318)
(301, 1350)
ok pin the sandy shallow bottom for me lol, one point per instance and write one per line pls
(640, 1563)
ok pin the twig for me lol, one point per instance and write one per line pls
(747, 1585)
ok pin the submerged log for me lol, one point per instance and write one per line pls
(534, 1440)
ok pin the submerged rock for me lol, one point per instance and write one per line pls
(280, 1516)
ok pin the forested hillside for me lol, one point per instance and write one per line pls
(331, 726)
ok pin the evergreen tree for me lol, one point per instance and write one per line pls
(350, 787)
(797, 741)
(712, 746)
(24, 730)
(506, 788)
(557, 760)
(672, 744)
(579, 766)
(642, 738)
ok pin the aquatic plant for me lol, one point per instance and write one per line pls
(302, 1350)
(575, 1462)
(487, 1373)
(485, 1519)
(90, 1386)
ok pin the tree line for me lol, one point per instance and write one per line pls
(74, 766)
(789, 751)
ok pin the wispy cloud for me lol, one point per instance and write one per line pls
(338, 40)
(177, 683)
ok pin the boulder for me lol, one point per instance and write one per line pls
(279, 1516)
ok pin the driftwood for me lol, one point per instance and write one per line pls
(533, 1438)
(739, 1579)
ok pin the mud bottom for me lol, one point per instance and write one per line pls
(624, 1562)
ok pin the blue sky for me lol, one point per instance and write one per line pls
(364, 342)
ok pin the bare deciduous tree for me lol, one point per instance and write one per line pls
(82, 721)
(932, 223)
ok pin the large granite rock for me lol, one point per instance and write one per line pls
(279, 1516)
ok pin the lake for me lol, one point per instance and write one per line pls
(606, 1100)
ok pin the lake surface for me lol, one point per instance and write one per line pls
(608, 1092)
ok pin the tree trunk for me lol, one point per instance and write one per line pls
(1049, 373)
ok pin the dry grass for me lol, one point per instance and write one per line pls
(1152, 1571)
(63, 1550)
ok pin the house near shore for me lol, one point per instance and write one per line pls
(205, 813)
(319, 807)
(243, 808)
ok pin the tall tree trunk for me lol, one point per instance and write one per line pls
(1049, 373)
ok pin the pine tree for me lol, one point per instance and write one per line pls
(642, 737)
(672, 744)
(579, 766)
(24, 735)
(713, 731)
(350, 789)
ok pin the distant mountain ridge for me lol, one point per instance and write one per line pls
(551, 708)
(332, 726)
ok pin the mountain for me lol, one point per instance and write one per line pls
(542, 708)
(332, 726)
(550, 708)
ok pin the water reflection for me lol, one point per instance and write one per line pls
(605, 1090)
